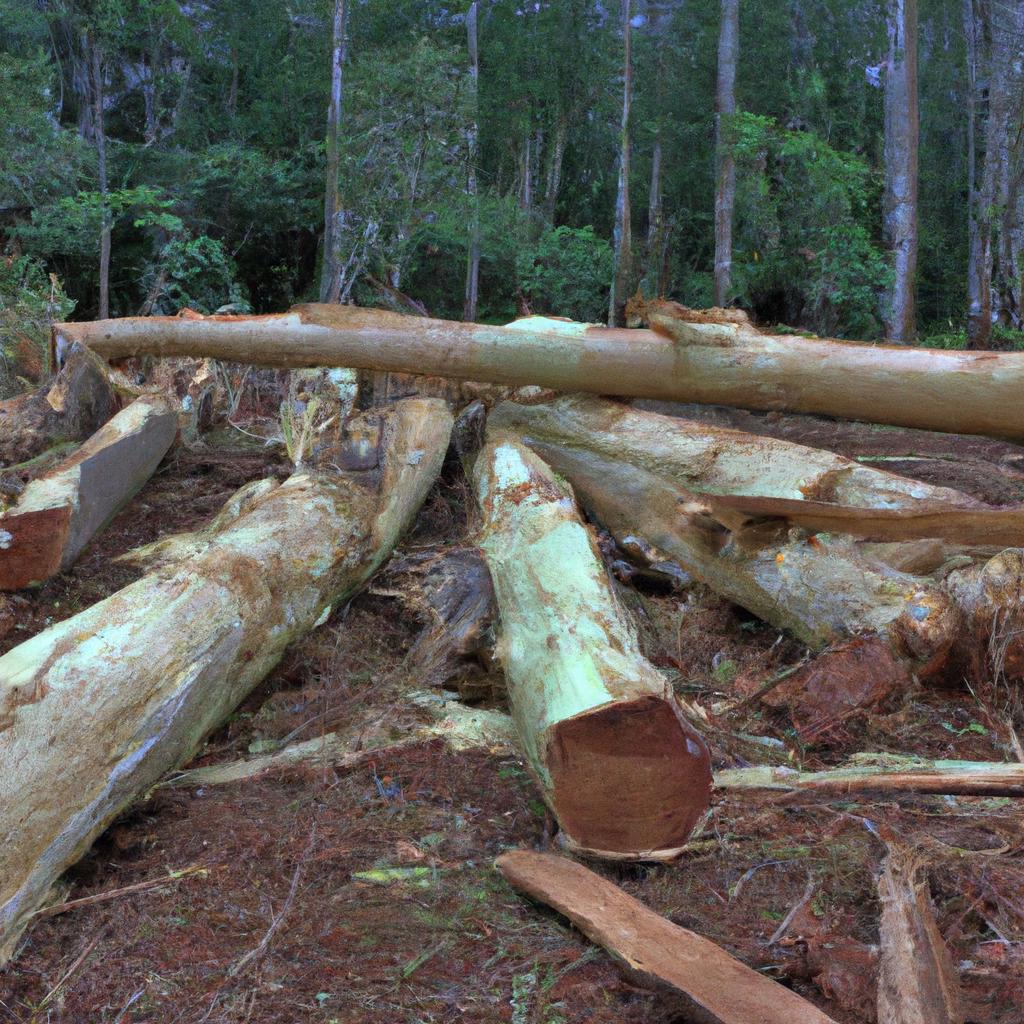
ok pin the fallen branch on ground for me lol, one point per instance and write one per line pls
(716, 986)
(622, 769)
(98, 708)
(59, 513)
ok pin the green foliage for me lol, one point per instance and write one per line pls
(30, 301)
(195, 272)
(805, 231)
(1004, 339)
(567, 273)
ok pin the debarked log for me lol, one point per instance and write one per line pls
(717, 988)
(72, 408)
(96, 709)
(624, 772)
(709, 362)
(818, 588)
(743, 477)
(59, 513)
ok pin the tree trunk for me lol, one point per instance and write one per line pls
(656, 225)
(330, 278)
(72, 408)
(901, 149)
(820, 590)
(555, 161)
(473, 263)
(97, 708)
(725, 108)
(876, 775)
(739, 477)
(716, 987)
(623, 771)
(623, 231)
(690, 356)
(59, 513)
(101, 161)
(989, 470)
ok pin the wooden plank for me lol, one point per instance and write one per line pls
(718, 988)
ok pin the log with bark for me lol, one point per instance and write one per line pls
(716, 987)
(59, 513)
(820, 588)
(74, 406)
(989, 470)
(687, 356)
(96, 709)
(624, 772)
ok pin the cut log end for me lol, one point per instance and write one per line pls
(629, 777)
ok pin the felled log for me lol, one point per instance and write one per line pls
(876, 774)
(917, 983)
(716, 987)
(818, 588)
(710, 362)
(72, 408)
(96, 709)
(989, 470)
(59, 513)
(744, 477)
(621, 768)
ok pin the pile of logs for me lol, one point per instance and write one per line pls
(887, 579)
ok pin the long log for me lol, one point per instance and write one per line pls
(72, 408)
(717, 987)
(96, 709)
(59, 513)
(621, 768)
(744, 477)
(725, 364)
(820, 589)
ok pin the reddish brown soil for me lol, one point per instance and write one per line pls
(455, 944)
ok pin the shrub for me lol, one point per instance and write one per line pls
(567, 272)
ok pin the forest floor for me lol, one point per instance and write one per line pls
(275, 866)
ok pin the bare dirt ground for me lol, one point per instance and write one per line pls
(265, 912)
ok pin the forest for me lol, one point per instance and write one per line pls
(511, 511)
(197, 138)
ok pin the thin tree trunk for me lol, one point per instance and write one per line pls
(473, 266)
(101, 159)
(725, 107)
(527, 193)
(330, 279)
(622, 236)
(901, 159)
(656, 223)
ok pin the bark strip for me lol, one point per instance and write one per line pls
(688, 356)
(96, 709)
(718, 988)
(59, 513)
